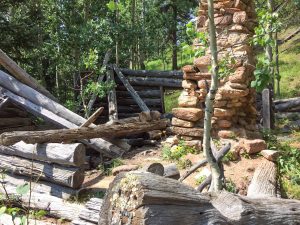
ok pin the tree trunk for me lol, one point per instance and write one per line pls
(215, 169)
(112, 98)
(64, 154)
(67, 176)
(148, 199)
(58, 136)
(174, 36)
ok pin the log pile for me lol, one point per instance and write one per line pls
(288, 105)
(234, 110)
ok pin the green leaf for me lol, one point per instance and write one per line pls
(111, 6)
(23, 189)
(2, 210)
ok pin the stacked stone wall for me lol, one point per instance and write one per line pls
(234, 107)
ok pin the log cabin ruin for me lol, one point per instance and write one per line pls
(57, 153)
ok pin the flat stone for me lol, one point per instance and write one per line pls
(239, 76)
(203, 61)
(218, 112)
(191, 132)
(226, 134)
(223, 20)
(197, 144)
(189, 69)
(232, 93)
(240, 17)
(224, 124)
(124, 168)
(270, 155)
(238, 86)
(182, 123)
(187, 101)
(253, 146)
(204, 84)
(190, 114)
(188, 84)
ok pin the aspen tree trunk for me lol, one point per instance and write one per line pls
(269, 49)
(277, 64)
(216, 183)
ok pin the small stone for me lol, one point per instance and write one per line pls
(240, 17)
(223, 20)
(202, 62)
(197, 144)
(226, 134)
(270, 155)
(253, 146)
(237, 86)
(185, 100)
(191, 132)
(204, 84)
(182, 123)
(124, 168)
(189, 69)
(188, 84)
(172, 140)
(190, 114)
(240, 75)
(218, 112)
(224, 124)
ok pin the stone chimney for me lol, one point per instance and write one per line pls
(234, 114)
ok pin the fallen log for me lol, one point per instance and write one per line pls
(293, 103)
(264, 181)
(54, 206)
(153, 73)
(145, 198)
(99, 145)
(40, 100)
(64, 154)
(104, 131)
(42, 187)
(22, 76)
(67, 176)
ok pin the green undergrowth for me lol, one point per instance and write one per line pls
(107, 168)
(171, 100)
(288, 165)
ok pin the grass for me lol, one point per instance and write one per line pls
(171, 100)
(289, 65)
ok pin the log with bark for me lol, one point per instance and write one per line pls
(156, 82)
(106, 131)
(54, 206)
(145, 198)
(287, 104)
(264, 181)
(68, 176)
(30, 95)
(64, 154)
(142, 94)
(100, 145)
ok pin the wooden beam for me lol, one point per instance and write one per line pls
(266, 108)
(153, 73)
(100, 79)
(93, 117)
(112, 98)
(22, 76)
(133, 93)
(58, 136)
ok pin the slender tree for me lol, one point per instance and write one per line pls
(216, 183)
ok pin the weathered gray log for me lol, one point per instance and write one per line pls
(157, 82)
(139, 142)
(22, 76)
(100, 79)
(67, 176)
(264, 181)
(16, 121)
(3, 103)
(8, 112)
(100, 145)
(54, 206)
(162, 99)
(130, 89)
(153, 73)
(284, 107)
(39, 99)
(64, 154)
(145, 198)
(93, 117)
(105, 131)
(148, 101)
(90, 213)
(280, 101)
(171, 171)
(266, 108)
(112, 98)
(219, 156)
(142, 94)
(42, 187)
